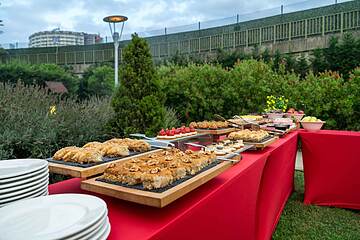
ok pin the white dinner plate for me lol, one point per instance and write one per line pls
(100, 233)
(107, 233)
(17, 167)
(14, 186)
(50, 217)
(26, 194)
(41, 192)
(38, 185)
(25, 176)
(90, 229)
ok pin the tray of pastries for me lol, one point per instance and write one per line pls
(258, 138)
(158, 178)
(80, 159)
(212, 127)
(225, 147)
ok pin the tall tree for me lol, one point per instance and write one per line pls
(266, 56)
(302, 66)
(138, 103)
(277, 60)
(318, 62)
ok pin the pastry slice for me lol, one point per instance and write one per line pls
(115, 150)
(59, 155)
(87, 156)
(156, 178)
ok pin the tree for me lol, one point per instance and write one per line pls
(138, 104)
(302, 66)
(290, 63)
(266, 56)
(348, 55)
(37, 74)
(97, 81)
(277, 60)
(255, 53)
(318, 61)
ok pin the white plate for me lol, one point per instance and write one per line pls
(100, 232)
(13, 186)
(107, 233)
(38, 185)
(26, 194)
(14, 179)
(90, 229)
(50, 217)
(41, 192)
(17, 167)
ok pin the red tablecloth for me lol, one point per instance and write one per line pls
(238, 204)
(277, 184)
(332, 168)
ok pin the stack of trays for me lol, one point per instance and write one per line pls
(62, 216)
(22, 179)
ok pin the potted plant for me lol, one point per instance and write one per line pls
(276, 106)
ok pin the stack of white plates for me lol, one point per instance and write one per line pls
(22, 179)
(62, 216)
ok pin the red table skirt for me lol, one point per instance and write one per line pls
(244, 202)
(332, 168)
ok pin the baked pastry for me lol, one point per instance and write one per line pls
(209, 125)
(87, 156)
(78, 155)
(114, 150)
(59, 155)
(132, 144)
(159, 169)
(249, 135)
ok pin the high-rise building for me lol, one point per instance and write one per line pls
(57, 37)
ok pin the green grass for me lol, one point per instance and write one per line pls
(299, 221)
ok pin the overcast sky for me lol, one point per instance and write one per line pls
(24, 17)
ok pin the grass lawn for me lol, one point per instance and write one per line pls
(311, 222)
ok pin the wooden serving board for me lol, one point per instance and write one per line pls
(82, 172)
(216, 131)
(264, 144)
(153, 199)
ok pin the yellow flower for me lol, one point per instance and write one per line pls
(52, 110)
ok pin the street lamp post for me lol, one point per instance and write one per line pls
(116, 37)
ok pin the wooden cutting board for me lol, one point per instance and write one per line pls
(154, 199)
(86, 172)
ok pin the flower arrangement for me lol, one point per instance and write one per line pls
(276, 104)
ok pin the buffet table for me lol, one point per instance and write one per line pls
(245, 202)
(331, 168)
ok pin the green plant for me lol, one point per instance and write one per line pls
(138, 102)
(170, 119)
(97, 81)
(37, 74)
(276, 103)
(35, 123)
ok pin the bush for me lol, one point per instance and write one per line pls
(198, 92)
(29, 129)
(97, 81)
(194, 91)
(138, 103)
(37, 74)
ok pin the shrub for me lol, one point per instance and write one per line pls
(198, 92)
(36, 74)
(97, 81)
(194, 91)
(138, 103)
(28, 129)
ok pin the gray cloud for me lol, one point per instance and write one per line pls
(24, 17)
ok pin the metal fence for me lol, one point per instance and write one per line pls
(270, 30)
(241, 17)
